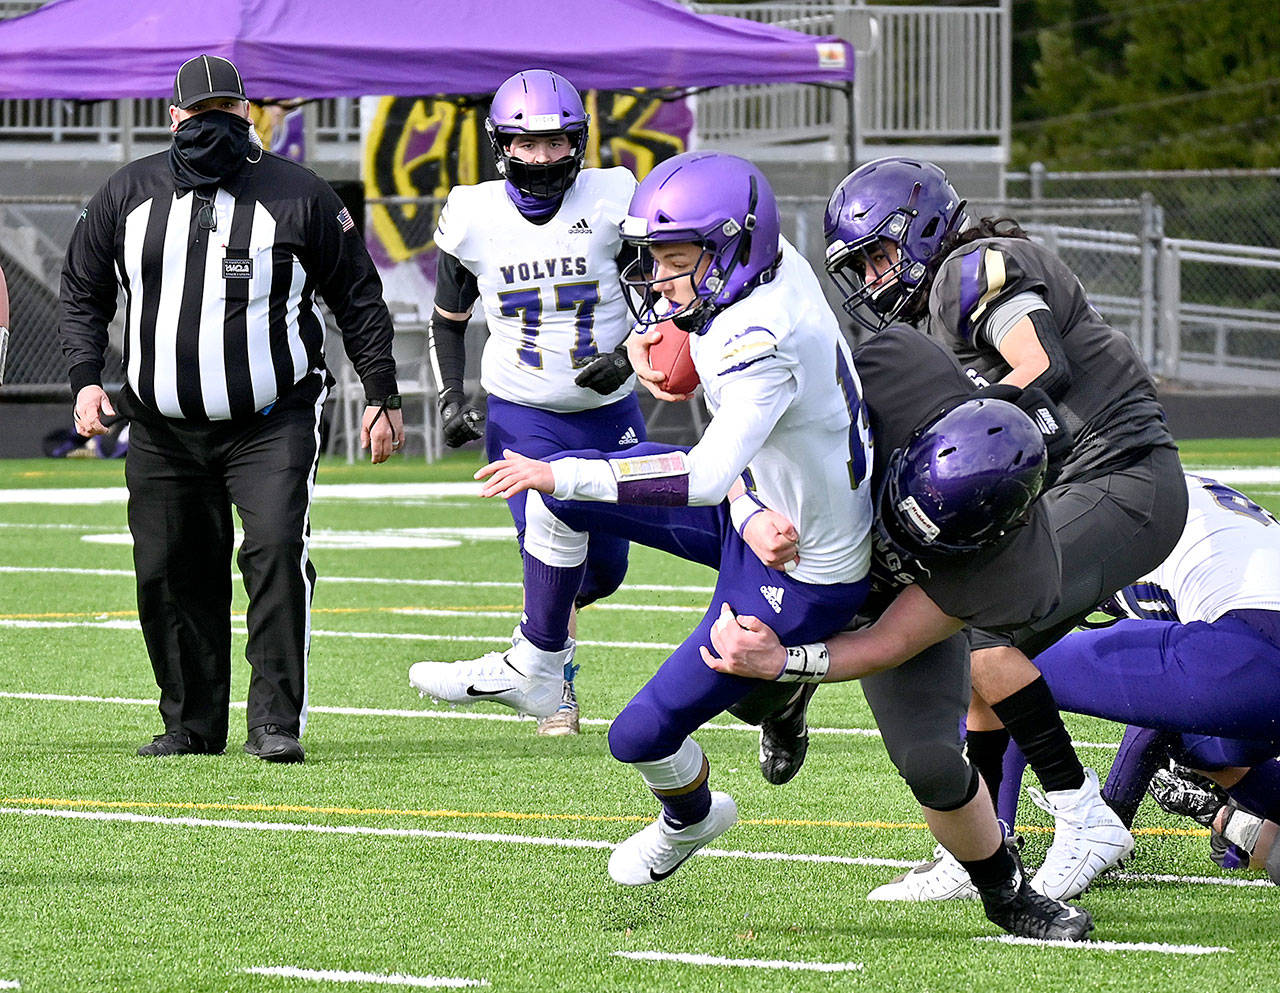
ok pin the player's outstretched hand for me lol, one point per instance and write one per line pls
(773, 538)
(638, 346)
(515, 473)
(747, 646)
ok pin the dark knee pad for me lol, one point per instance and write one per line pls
(1273, 862)
(939, 778)
(639, 734)
(764, 700)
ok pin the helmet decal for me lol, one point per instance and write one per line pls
(537, 102)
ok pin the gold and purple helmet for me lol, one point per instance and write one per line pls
(537, 102)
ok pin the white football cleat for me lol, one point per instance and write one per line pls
(1088, 838)
(941, 879)
(655, 852)
(523, 678)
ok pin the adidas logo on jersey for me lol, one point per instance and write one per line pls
(628, 437)
(580, 227)
(774, 595)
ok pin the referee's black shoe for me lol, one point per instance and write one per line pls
(272, 743)
(784, 739)
(178, 743)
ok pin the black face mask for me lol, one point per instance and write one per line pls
(208, 148)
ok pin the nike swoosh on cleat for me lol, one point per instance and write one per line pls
(472, 691)
(658, 877)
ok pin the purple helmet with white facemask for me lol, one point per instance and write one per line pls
(963, 481)
(906, 203)
(537, 102)
(717, 201)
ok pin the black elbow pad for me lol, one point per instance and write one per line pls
(1057, 378)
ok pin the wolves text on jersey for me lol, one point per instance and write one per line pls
(567, 265)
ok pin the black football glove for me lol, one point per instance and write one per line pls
(459, 420)
(606, 372)
(1059, 439)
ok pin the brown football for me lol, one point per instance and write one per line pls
(671, 355)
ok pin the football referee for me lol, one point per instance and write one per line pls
(220, 249)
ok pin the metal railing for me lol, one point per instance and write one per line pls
(922, 74)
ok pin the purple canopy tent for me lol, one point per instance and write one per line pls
(107, 49)
(111, 49)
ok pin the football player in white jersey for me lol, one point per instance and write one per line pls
(784, 397)
(1193, 666)
(539, 250)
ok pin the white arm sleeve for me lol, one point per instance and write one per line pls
(750, 406)
(584, 479)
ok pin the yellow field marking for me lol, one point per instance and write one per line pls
(506, 815)
(63, 615)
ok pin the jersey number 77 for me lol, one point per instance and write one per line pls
(527, 306)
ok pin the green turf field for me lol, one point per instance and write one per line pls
(456, 849)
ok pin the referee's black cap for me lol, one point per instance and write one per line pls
(205, 77)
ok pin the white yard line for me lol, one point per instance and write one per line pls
(1111, 946)
(688, 959)
(497, 639)
(448, 715)
(357, 830)
(344, 976)
(1261, 475)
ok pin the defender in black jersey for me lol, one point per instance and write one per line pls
(912, 653)
(900, 245)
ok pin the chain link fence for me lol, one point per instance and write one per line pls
(34, 232)
(1217, 284)
(1199, 309)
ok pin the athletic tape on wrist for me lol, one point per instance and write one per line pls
(742, 508)
(1242, 828)
(805, 664)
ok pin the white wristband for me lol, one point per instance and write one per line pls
(742, 509)
(805, 664)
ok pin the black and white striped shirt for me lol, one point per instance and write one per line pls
(221, 320)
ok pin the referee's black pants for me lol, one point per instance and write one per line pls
(183, 479)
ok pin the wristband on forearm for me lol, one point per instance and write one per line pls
(805, 664)
(742, 508)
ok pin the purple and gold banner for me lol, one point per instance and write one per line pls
(421, 147)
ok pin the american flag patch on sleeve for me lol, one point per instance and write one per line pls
(344, 218)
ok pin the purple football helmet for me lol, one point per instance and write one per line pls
(963, 481)
(907, 203)
(540, 102)
(718, 201)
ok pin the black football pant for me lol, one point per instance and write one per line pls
(919, 708)
(184, 478)
(1112, 530)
